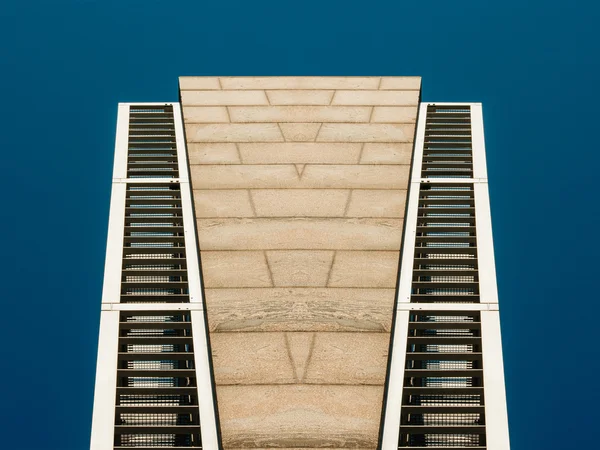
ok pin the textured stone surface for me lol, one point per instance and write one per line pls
(364, 269)
(300, 309)
(300, 268)
(235, 269)
(394, 114)
(299, 357)
(297, 414)
(300, 202)
(376, 203)
(300, 152)
(303, 82)
(234, 132)
(349, 132)
(223, 203)
(206, 114)
(296, 113)
(383, 98)
(400, 83)
(386, 153)
(314, 176)
(213, 153)
(299, 233)
(222, 98)
(300, 189)
(299, 98)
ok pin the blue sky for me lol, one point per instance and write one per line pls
(65, 65)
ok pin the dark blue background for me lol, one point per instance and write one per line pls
(66, 64)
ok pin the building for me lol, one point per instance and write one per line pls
(300, 262)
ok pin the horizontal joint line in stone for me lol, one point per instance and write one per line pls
(362, 122)
(309, 287)
(311, 88)
(298, 217)
(308, 164)
(309, 383)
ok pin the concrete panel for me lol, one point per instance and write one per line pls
(299, 234)
(300, 309)
(299, 415)
(365, 269)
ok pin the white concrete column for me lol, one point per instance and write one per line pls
(496, 418)
(105, 393)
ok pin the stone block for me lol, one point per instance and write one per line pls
(394, 114)
(300, 346)
(235, 269)
(213, 153)
(361, 177)
(300, 202)
(386, 153)
(300, 153)
(400, 83)
(348, 358)
(299, 97)
(300, 309)
(300, 268)
(375, 98)
(199, 83)
(299, 234)
(299, 132)
(205, 114)
(223, 203)
(299, 113)
(365, 269)
(251, 358)
(244, 176)
(280, 176)
(233, 132)
(377, 203)
(299, 415)
(223, 98)
(300, 82)
(360, 132)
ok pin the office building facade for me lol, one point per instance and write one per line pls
(299, 262)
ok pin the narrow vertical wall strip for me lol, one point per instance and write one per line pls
(445, 357)
(162, 393)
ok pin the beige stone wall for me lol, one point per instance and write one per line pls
(299, 188)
